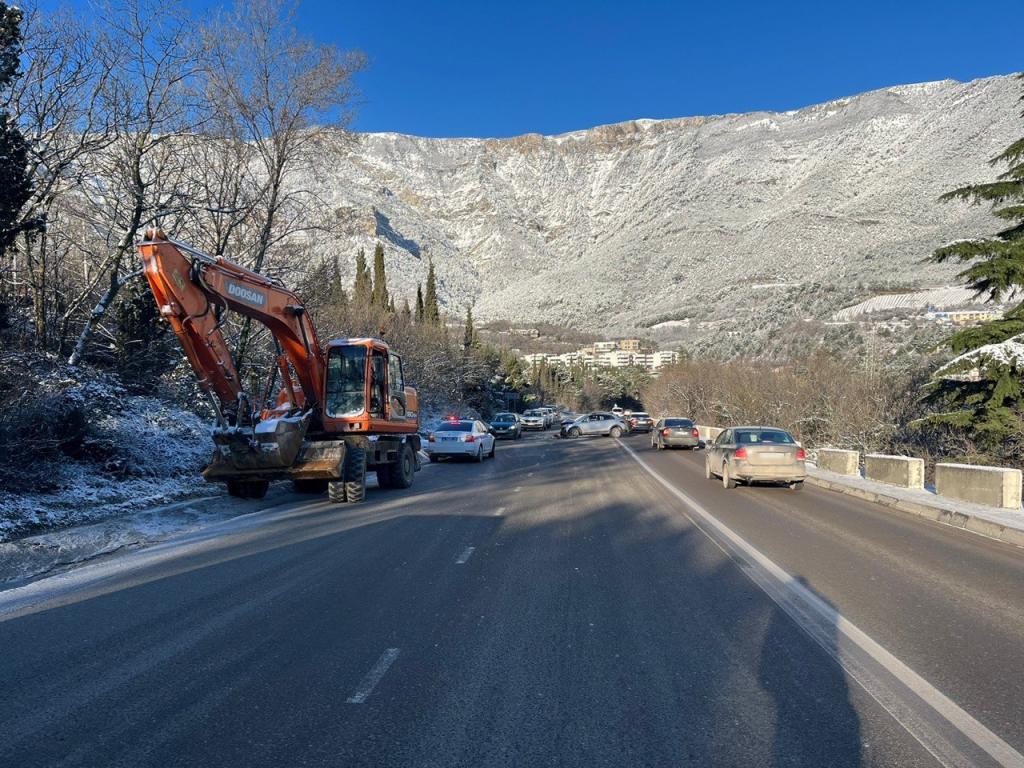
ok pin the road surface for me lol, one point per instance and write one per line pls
(570, 603)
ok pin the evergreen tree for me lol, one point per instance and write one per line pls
(419, 303)
(336, 295)
(15, 184)
(362, 289)
(391, 305)
(406, 313)
(469, 334)
(980, 390)
(379, 293)
(431, 311)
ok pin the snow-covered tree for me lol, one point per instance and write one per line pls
(980, 389)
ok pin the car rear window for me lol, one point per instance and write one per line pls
(678, 423)
(764, 436)
(456, 426)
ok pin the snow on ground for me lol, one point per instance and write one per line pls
(152, 451)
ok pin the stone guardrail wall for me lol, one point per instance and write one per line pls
(991, 486)
(839, 461)
(904, 471)
(994, 486)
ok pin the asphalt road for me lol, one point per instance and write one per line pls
(569, 603)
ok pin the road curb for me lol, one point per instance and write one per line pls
(969, 522)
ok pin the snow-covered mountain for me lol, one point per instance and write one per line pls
(625, 225)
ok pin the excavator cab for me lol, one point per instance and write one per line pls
(365, 389)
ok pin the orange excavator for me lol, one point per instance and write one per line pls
(342, 408)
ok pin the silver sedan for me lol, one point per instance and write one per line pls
(675, 432)
(756, 454)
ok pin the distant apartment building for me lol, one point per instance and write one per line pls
(963, 316)
(610, 354)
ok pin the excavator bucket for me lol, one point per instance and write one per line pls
(270, 448)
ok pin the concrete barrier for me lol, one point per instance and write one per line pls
(993, 486)
(903, 471)
(839, 461)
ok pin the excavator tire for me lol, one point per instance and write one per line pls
(402, 472)
(384, 475)
(237, 488)
(355, 475)
(336, 491)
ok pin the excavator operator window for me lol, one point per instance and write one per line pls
(378, 384)
(346, 381)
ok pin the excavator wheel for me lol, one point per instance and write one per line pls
(354, 479)
(336, 491)
(402, 472)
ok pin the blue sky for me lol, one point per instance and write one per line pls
(447, 68)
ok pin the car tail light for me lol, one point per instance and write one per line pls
(695, 432)
(666, 432)
(740, 453)
(470, 438)
(801, 454)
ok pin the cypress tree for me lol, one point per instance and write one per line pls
(431, 311)
(362, 289)
(469, 334)
(336, 289)
(379, 294)
(419, 303)
(406, 311)
(979, 391)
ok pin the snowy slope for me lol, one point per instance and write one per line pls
(619, 226)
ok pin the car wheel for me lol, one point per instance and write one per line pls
(575, 432)
(615, 432)
(479, 455)
(727, 481)
(796, 485)
(493, 446)
(433, 458)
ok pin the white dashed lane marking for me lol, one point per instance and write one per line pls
(466, 554)
(368, 683)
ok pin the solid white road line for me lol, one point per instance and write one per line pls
(466, 554)
(863, 658)
(499, 512)
(368, 683)
(517, 489)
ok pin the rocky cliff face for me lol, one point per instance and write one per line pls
(715, 218)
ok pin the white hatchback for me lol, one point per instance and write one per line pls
(460, 437)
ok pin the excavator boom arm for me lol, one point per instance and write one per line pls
(192, 288)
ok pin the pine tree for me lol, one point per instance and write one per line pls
(980, 389)
(419, 303)
(431, 311)
(379, 294)
(362, 288)
(15, 184)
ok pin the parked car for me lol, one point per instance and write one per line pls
(535, 419)
(460, 437)
(550, 415)
(641, 422)
(756, 454)
(675, 432)
(599, 423)
(507, 425)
